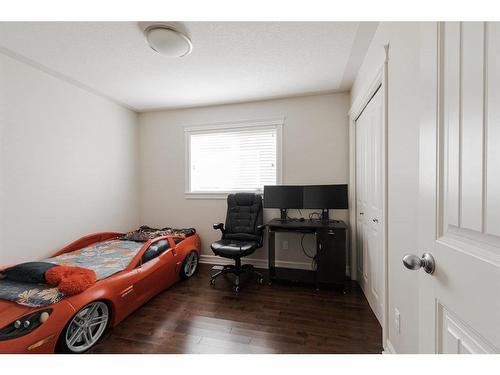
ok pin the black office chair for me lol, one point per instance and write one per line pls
(241, 236)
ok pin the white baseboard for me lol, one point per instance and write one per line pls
(359, 274)
(258, 263)
(388, 348)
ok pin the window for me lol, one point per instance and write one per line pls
(233, 157)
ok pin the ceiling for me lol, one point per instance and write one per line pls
(231, 61)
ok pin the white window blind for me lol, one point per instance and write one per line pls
(233, 159)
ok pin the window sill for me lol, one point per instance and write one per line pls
(190, 195)
(212, 195)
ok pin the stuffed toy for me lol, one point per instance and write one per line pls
(70, 280)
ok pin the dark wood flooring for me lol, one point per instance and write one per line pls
(194, 317)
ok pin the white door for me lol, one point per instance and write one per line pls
(369, 130)
(460, 188)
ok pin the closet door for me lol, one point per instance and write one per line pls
(369, 202)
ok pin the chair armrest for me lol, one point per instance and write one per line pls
(219, 226)
(261, 227)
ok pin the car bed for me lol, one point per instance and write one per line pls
(128, 274)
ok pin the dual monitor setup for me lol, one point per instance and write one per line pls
(322, 197)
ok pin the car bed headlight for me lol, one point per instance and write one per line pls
(24, 325)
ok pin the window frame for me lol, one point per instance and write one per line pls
(270, 123)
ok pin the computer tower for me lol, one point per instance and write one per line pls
(331, 256)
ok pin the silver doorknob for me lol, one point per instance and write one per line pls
(413, 262)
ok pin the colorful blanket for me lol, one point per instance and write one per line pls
(29, 294)
(105, 258)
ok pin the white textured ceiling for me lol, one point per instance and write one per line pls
(230, 62)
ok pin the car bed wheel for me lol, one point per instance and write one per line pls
(86, 328)
(189, 265)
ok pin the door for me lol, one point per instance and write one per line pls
(459, 189)
(369, 159)
(155, 275)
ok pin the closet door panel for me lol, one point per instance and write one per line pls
(492, 206)
(472, 125)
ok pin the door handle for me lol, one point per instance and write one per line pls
(413, 262)
(361, 213)
(375, 220)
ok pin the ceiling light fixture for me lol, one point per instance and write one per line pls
(168, 41)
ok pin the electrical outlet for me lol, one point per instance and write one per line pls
(397, 321)
(284, 246)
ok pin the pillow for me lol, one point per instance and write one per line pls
(144, 234)
(30, 272)
(71, 280)
(185, 232)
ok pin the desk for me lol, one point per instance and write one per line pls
(330, 251)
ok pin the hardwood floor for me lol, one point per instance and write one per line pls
(194, 317)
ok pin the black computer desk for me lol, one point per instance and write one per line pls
(331, 239)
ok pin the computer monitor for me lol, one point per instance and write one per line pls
(325, 197)
(283, 197)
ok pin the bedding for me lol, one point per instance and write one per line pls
(104, 258)
(29, 294)
(145, 233)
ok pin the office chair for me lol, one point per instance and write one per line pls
(241, 236)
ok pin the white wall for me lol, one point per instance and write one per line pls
(403, 148)
(68, 163)
(315, 151)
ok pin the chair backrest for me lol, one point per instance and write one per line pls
(244, 215)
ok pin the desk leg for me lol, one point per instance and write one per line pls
(271, 251)
(318, 249)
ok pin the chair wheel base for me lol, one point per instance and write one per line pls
(237, 270)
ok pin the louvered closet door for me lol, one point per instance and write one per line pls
(369, 202)
(460, 188)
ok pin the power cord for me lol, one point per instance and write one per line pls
(314, 262)
(303, 249)
(294, 218)
(311, 215)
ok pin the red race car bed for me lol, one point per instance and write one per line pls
(130, 269)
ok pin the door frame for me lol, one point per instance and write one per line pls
(380, 82)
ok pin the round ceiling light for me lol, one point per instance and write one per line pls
(168, 41)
